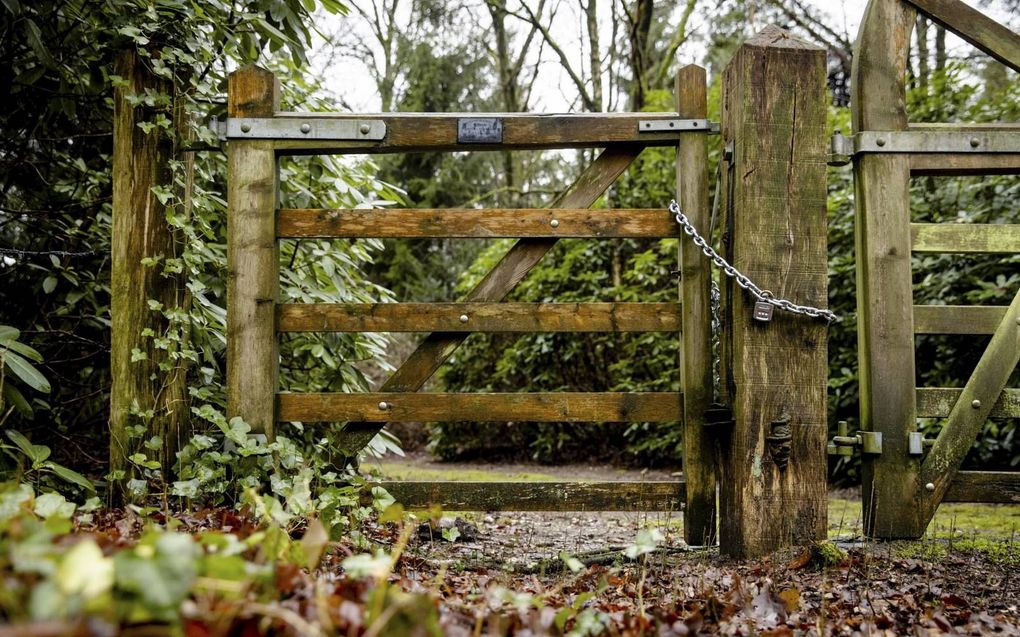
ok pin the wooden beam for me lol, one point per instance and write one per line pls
(884, 286)
(986, 34)
(971, 410)
(774, 115)
(539, 496)
(961, 165)
(494, 286)
(380, 407)
(431, 132)
(489, 223)
(937, 402)
(997, 487)
(965, 238)
(479, 317)
(252, 255)
(957, 319)
(699, 460)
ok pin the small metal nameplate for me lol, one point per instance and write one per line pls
(480, 130)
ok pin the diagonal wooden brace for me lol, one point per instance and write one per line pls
(970, 412)
(497, 283)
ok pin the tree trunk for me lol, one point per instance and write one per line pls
(142, 391)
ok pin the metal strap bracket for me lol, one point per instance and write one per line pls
(870, 442)
(678, 125)
(318, 128)
(925, 141)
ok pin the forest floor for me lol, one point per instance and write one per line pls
(222, 572)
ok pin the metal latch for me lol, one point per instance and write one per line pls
(674, 125)
(317, 128)
(842, 444)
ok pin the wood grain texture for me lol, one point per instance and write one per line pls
(986, 34)
(884, 292)
(957, 319)
(999, 487)
(774, 110)
(480, 317)
(971, 410)
(432, 132)
(539, 496)
(252, 256)
(494, 286)
(937, 402)
(960, 165)
(699, 460)
(141, 162)
(472, 407)
(478, 224)
(965, 238)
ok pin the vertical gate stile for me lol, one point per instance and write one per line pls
(696, 333)
(774, 117)
(890, 481)
(252, 255)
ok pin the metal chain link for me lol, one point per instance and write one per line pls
(742, 279)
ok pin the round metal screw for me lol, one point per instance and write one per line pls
(365, 128)
(245, 128)
(555, 223)
(880, 141)
(306, 128)
(463, 318)
(975, 142)
(976, 404)
(1018, 320)
(384, 406)
(930, 486)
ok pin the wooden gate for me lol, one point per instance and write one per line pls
(774, 80)
(904, 484)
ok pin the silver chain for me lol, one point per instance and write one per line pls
(742, 279)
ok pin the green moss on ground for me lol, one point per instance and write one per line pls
(399, 471)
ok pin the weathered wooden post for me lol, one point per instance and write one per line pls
(695, 279)
(772, 474)
(141, 161)
(252, 255)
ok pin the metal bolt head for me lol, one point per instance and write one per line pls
(463, 318)
(245, 128)
(555, 223)
(930, 486)
(383, 406)
(365, 128)
(1018, 320)
(880, 141)
(976, 404)
(974, 142)
(306, 128)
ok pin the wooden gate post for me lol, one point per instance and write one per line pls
(252, 256)
(775, 373)
(696, 335)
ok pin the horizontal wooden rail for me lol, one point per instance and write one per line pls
(442, 407)
(471, 223)
(957, 319)
(937, 402)
(1002, 487)
(540, 496)
(965, 238)
(430, 132)
(479, 317)
(954, 165)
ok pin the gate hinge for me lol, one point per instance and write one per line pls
(916, 443)
(678, 125)
(843, 148)
(318, 128)
(842, 444)
(718, 415)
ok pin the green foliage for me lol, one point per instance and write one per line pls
(15, 368)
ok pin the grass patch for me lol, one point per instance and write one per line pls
(404, 472)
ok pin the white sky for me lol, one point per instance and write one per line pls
(554, 92)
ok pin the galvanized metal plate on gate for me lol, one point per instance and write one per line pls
(480, 130)
(323, 129)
